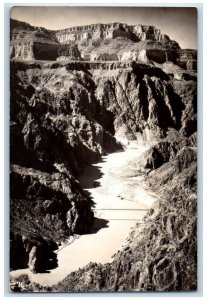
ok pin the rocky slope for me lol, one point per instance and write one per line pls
(29, 42)
(161, 253)
(53, 135)
(105, 42)
(64, 116)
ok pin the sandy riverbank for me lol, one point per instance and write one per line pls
(120, 202)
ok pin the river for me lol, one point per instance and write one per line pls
(120, 202)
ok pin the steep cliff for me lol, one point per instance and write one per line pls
(53, 135)
(118, 41)
(64, 116)
(148, 101)
(114, 30)
(161, 253)
(28, 42)
(98, 42)
(22, 31)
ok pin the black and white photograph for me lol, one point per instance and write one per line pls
(103, 149)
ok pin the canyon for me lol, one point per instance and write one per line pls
(107, 42)
(119, 203)
(70, 106)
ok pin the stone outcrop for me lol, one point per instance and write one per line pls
(66, 52)
(22, 32)
(98, 42)
(187, 59)
(184, 162)
(111, 31)
(22, 51)
(33, 51)
(187, 91)
(147, 101)
(36, 253)
(166, 150)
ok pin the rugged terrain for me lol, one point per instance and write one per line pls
(98, 42)
(54, 133)
(65, 115)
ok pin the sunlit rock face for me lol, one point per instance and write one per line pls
(103, 42)
(98, 42)
(113, 30)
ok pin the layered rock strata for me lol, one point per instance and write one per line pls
(111, 31)
(98, 42)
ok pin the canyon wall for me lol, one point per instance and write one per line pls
(54, 133)
(64, 115)
(161, 253)
(113, 30)
(98, 42)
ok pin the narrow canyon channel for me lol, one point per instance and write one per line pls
(120, 201)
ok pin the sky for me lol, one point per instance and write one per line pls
(180, 23)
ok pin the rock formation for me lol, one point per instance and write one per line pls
(49, 110)
(68, 113)
(98, 42)
(67, 52)
(111, 31)
(161, 253)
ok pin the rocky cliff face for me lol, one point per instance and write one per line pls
(160, 254)
(113, 30)
(21, 31)
(98, 42)
(64, 116)
(148, 101)
(69, 53)
(33, 51)
(28, 42)
(54, 133)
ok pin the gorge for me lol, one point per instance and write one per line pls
(85, 93)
